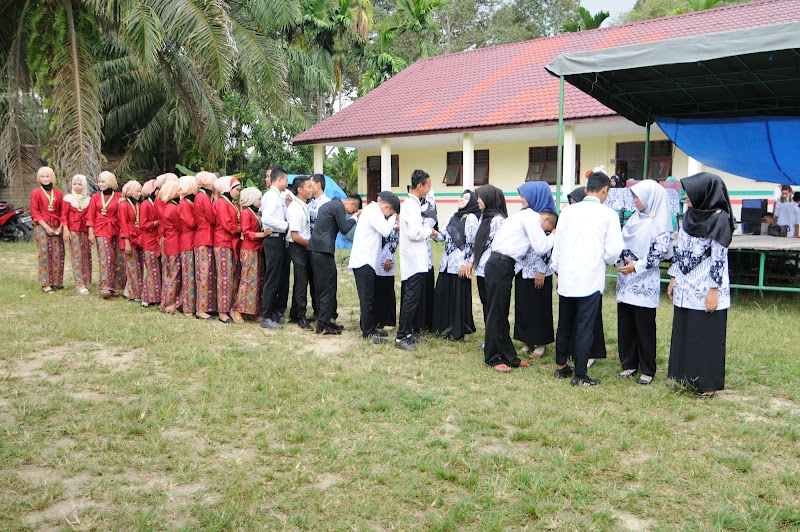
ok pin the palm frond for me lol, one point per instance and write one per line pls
(75, 103)
(141, 31)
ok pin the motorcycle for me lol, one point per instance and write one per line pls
(15, 224)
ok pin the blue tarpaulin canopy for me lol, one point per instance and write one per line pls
(730, 99)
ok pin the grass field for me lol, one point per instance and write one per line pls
(116, 417)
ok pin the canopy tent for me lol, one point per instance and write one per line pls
(728, 99)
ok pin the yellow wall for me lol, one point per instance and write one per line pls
(508, 165)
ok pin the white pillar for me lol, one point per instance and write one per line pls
(468, 168)
(695, 167)
(568, 168)
(386, 165)
(319, 158)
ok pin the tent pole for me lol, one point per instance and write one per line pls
(646, 150)
(560, 154)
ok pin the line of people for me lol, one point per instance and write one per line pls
(200, 245)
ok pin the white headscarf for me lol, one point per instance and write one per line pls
(643, 227)
(79, 201)
(248, 196)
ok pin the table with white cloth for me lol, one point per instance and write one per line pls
(765, 263)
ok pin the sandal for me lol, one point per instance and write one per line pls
(502, 368)
(705, 394)
(539, 351)
(227, 321)
(627, 373)
(644, 379)
(48, 290)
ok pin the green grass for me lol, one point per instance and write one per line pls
(117, 417)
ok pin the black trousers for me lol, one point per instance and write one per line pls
(324, 267)
(410, 302)
(274, 249)
(282, 295)
(580, 313)
(498, 347)
(312, 287)
(300, 259)
(365, 285)
(637, 338)
(481, 282)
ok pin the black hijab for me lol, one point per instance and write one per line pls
(577, 195)
(711, 214)
(494, 203)
(470, 208)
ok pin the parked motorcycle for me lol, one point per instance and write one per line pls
(15, 224)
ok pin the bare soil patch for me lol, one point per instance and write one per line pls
(327, 480)
(632, 523)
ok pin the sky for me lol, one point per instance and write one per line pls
(615, 7)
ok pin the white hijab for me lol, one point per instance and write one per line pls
(643, 227)
(79, 201)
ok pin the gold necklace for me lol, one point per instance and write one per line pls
(50, 198)
(105, 203)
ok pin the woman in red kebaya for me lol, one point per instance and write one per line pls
(204, 271)
(171, 224)
(102, 223)
(76, 235)
(251, 277)
(159, 205)
(46, 205)
(188, 189)
(130, 239)
(226, 242)
(151, 247)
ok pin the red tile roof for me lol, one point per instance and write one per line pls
(507, 85)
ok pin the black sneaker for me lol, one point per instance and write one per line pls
(330, 331)
(563, 373)
(304, 323)
(377, 340)
(279, 318)
(584, 381)
(337, 326)
(417, 339)
(379, 332)
(405, 344)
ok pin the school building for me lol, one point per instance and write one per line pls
(490, 116)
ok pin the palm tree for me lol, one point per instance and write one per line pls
(587, 20)
(380, 61)
(702, 5)
(157, 68)
(416, 17)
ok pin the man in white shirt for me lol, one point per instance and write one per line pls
(318, 199)
(375, 223)
(784, 210)
(519, 234)
(589, 237)
(298, 236)
(413, 257)
(273, 216)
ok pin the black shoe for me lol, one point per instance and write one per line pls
(319, 330)
(337, 326)
(279, 318)
(304, 323)
(405, 344)
(584, 381)
(563, 373)
(417, 339)
(379, 332)
(313, 317)
(294, 319)
(330, 331)
(377, 340)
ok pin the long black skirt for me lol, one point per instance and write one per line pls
(533, 311)
(697, 351)
(385, 301)
(452, 307)
(423, 319)
(598, 338)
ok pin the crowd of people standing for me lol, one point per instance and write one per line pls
(203, 246)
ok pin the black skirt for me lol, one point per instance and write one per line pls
(423, 319)
(385, 302)
(598, 339)
(452, 307)
(533, 311)
(697, 350)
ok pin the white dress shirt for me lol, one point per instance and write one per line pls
(313, 208)
(413, 239)
(588, 238)
(519, 234)
(371, 229)
(273, 213)
(298, 220)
